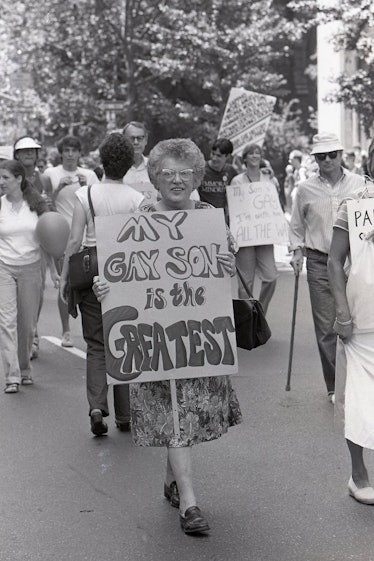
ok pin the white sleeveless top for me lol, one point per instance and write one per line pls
(107, 199)
(18, 241)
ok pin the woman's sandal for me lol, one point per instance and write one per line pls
(11, 388)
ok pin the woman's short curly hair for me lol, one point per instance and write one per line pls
(117, 155)
(180, 149)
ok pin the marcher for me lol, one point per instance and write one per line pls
(26, 151)
(136, 133)
(350, 162)
(313, 216)
(20, 273)
(218, 174)
(66, 179)
(294, 176)
(259, 258)
(108, 198)
(176, 167)
(354, 325)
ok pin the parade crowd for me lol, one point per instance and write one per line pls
(313, 198)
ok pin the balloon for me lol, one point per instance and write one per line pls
(53, 232)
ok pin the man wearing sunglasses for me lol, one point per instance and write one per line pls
(313, 215)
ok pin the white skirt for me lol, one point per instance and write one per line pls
(359, 389)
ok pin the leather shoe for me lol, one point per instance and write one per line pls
(364, 495)
(193, 521)
(98, 427)
(124, 426)
(171, 494)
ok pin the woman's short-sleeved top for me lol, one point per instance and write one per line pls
(18, 241)
(342, 216)
(107, 199)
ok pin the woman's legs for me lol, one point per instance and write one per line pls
(97, 389)
(9, 365)
(179, 469)
(359, 471)
(29, 283)
(267, 272)
(246, 262)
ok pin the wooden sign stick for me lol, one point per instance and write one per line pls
(174, 405)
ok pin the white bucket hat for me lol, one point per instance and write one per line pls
(26, 142)
(325, 142)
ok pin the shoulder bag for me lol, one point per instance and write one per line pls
(252, 329)
(83, 265)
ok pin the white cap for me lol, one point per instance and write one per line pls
(6, 152)
(26, 142)
(325, 142)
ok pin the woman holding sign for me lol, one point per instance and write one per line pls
(207, 406)
(258, 258)
(355, 327)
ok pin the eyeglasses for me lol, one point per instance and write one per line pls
(323, 155)
(136, 138)
(170, 174)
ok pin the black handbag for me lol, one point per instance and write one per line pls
(252, 329)
(83, 265)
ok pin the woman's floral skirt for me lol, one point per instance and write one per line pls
(207, 407)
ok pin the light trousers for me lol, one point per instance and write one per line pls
(258, 259)
(20, 290)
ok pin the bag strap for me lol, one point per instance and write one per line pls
(90, 203)
(240, 275)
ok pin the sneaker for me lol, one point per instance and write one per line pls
(11, 388)
(27, 381)
(331, 397)
(66, 340)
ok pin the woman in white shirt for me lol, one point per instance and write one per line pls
(20, 273)
(259, 258)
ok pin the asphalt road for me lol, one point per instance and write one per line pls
(273, 489)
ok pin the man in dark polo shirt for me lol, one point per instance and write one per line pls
(218, 174)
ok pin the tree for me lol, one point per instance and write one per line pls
(355, 35)
(171, 63)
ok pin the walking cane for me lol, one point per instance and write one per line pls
(288, 384)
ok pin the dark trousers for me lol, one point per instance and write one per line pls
(97, 389)
(324, 313)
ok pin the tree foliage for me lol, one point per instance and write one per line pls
(355, 34)
(170, 62)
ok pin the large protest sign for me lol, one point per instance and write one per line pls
(147, 190)
(246, 117)
(256, 216)
(360, 222)
(168, 314)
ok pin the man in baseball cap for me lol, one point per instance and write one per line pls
(313, 216)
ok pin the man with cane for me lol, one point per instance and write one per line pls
(313, 215)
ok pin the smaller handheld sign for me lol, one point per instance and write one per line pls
(53, 232)
(256, 216)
